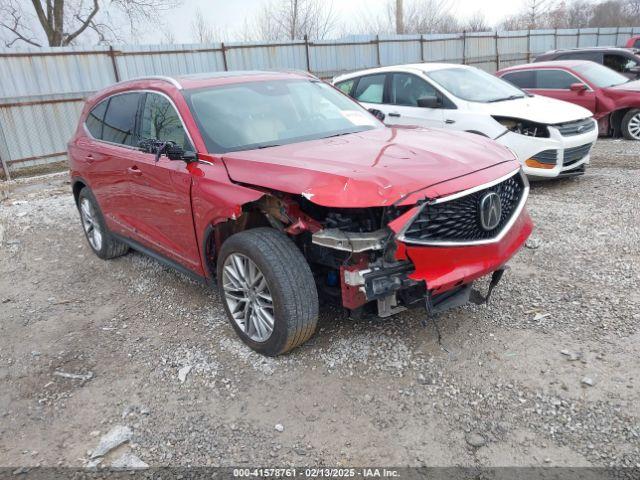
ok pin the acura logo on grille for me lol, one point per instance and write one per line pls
(490, 210)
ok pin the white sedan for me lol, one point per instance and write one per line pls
(551, 138)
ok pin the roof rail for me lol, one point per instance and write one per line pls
(163, 78)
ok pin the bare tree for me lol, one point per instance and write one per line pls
(292, 20)
(399, 17)
(418, 16)
(203, 30)
(61, 22)
(477, 23)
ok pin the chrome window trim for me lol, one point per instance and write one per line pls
(164, 78)
(138, 90)
(448, 243)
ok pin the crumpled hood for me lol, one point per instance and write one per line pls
(373, 168)
(545, 110)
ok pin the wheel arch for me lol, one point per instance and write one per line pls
(615, 121)
(77, 185)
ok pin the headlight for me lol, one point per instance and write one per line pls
(523, 127)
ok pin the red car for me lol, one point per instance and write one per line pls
(281, 189)
(633, 42)
(612, 97)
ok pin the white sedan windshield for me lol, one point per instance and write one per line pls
(475, 85)
(250, 115)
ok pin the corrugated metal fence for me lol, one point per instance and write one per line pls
(42, 90)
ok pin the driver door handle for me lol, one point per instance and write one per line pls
(134, 170)
(448, 121)
(394, 114)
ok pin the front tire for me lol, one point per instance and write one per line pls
(631, 125)
(103, 244)
(268, 290)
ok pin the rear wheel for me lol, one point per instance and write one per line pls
(103, 244)
(631, 125)
(268, 290)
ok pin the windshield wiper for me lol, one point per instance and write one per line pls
(269, 145)
(511, 97)
(341, 134)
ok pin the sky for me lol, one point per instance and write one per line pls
(229, 15)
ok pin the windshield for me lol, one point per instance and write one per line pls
(244, 116)
(600, 76)
(475, 85)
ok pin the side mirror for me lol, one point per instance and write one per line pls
(635, 70)
(577, 87)
(377, 113)
(430, 102)
(171, 150)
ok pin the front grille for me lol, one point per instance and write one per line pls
(576, 128)
(575, 154)
(547, 156)
(458, 220)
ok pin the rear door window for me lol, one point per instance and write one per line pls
(120, 119)
(160, 121)
(522, 79)
(370, 89)
(554, 79)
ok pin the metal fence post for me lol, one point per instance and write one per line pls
(529, 46)
(306, 52)
(497, 53)
(422, 48)
(464, 47)
(578, 39)
(114, 64)
(224, 56)
(4, 148)
(598, 38)
(377, 41)
(555, 40)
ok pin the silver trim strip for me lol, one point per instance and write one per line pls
(514, 216)
(163, 78)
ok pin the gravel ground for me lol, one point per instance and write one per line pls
(545, 375)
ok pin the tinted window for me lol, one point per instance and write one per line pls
(370, 88)
(524, 79)
(619, 63)
(636, 44)
(160, 121)
(346, 86)
(95, 118)
(592, 56)
(554, 79)
(406, 89)
(120, 120)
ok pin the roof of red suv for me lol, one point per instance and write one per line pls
(552, 64)
(199, 80)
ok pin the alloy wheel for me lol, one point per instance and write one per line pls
(90, 224)
(248, 297)
(634, 126)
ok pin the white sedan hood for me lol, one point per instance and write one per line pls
(537, 109)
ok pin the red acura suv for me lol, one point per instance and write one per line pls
(282, 190)
(613, 98)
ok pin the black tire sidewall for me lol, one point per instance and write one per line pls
(88, 194)
(274, 345)
(625, 124)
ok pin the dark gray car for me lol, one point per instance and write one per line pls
(623, 60)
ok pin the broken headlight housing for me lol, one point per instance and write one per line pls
(523, 127)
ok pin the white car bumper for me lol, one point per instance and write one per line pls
(553, 156)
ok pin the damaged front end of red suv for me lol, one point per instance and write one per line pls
(380, 244)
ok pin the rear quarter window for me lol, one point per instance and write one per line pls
(95, 119)
(346, 87)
